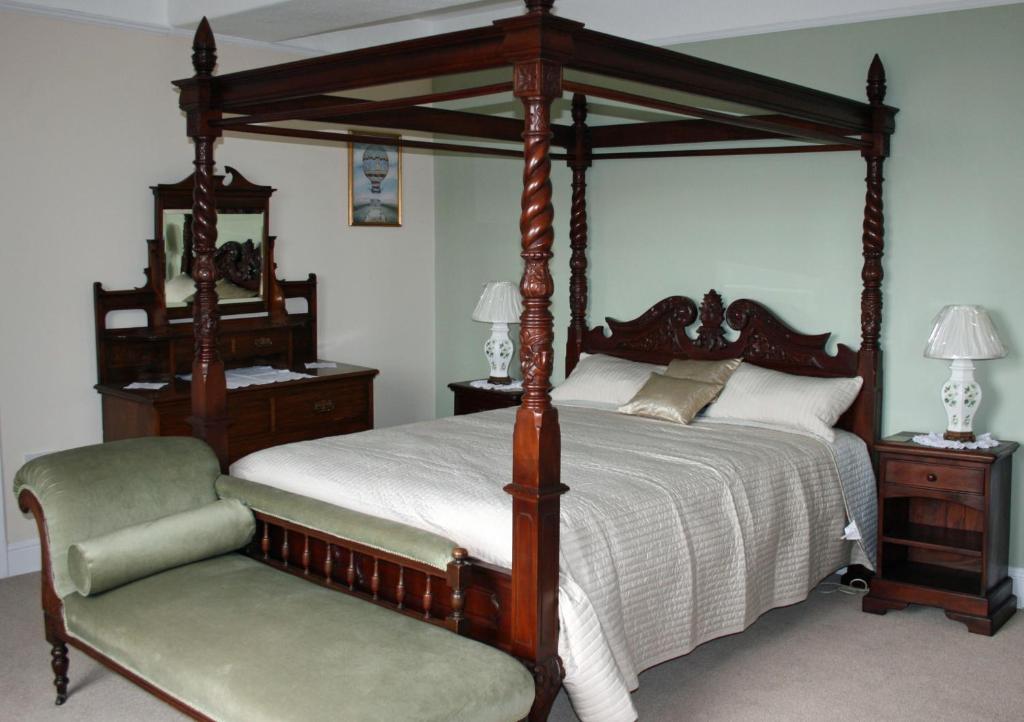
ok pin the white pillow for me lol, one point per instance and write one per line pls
(811, 404)
(605, 380)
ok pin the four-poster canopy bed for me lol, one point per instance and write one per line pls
(517, 610)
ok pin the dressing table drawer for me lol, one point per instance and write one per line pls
(250, 414)
(339, 402)
(271, 342)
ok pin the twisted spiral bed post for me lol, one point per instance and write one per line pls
(208, 388)
(868, 409)
(579, 162)
(536, 486)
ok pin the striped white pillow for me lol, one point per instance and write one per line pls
(604, 380)
(803, 402)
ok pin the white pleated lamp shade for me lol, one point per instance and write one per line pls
(964, 332)
(499, 303)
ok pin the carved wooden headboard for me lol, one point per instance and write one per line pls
(660, 335)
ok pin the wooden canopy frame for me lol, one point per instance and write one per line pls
(539, 48)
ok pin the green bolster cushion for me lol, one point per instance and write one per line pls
(115, 559)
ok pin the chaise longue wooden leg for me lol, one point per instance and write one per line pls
(58, 654)
(59, 663)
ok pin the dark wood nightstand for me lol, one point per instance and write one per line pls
(469, 400)
(944, 532)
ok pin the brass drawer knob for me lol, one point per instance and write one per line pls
(322, 407)
(263, 342)
(932, 477)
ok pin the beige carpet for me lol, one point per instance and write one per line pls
(819, 660)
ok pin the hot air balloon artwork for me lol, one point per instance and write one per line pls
(375, 184)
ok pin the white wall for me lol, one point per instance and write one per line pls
(90, 121)
(3, 524)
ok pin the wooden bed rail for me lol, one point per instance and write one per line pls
(389, 580)
(366, 106)
(468, 597)
(752, 123)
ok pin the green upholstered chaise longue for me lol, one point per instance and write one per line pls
(141, 570)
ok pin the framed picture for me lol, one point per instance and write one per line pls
(374, 184)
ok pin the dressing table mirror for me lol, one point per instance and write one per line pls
(320, 398)
(238, 258)
(245, 251)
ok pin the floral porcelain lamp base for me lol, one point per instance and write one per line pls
(498, 350)
(961, 397)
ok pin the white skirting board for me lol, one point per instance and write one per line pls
(23, 558)
(1017, 575)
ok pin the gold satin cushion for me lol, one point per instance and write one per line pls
(710, 372)
(664, 397)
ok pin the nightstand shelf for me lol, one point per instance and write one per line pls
(944, 531)
(934, 576)
(927, 536)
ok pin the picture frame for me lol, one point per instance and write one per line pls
(375, 184)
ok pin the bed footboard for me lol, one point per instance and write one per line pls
(468, 597)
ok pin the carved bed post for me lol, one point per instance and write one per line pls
(209, 390)
(579, 161)
(867, 421)
(535, 486)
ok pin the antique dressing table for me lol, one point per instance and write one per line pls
(256, 329)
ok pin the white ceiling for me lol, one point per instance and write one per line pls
(277, 20)
(335, 25)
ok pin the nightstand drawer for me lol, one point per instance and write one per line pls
(934, 476)
(470, 399)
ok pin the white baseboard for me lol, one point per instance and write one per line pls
(1017, 575)
(23, 557)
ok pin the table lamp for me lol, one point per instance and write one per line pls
(963, 334)
(499, 305)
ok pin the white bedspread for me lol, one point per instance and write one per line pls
(671, 535)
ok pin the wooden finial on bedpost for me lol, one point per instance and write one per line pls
(876, 81)
(540, 7)
(204, 50)
(579, 161)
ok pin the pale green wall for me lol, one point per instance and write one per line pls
(786, 230)
(478, 241)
